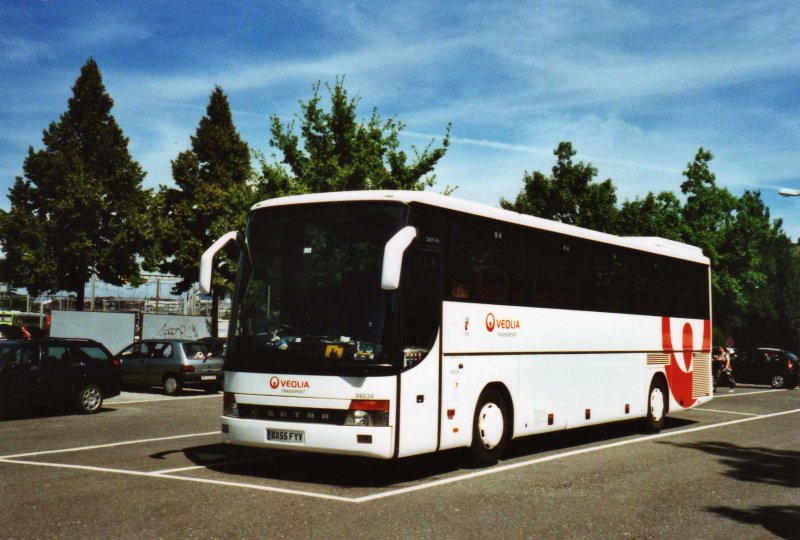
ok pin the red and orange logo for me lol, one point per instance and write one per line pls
(502, 324)
(276, 382)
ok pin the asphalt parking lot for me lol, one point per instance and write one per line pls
(147, 466)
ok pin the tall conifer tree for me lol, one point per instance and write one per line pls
(80, 208)
(211, 197)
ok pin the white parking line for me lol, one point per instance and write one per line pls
(737, 394)
(385, 494)
(725, 412)
(109, 445)
(110, 402)
(510, 466)
(184, 478)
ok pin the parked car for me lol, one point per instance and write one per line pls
(775, 367)
(79, 372)
(217, 345)
(171, 363)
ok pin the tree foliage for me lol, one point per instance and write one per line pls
(569, 194)
(211, 196)
(654, 215)
(334, 151)
(80, 207)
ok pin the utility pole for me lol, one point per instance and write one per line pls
(94, 282)
(158, 292)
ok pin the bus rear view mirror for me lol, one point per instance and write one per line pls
(207, 260)
(393, 257)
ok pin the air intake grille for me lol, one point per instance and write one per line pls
(701, 380)
(657, 359)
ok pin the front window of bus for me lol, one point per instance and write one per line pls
(309, 296)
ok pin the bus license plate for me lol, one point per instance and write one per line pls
(286, 435)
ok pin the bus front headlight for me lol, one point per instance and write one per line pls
(367, 412)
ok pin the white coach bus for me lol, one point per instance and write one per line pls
(390, 323)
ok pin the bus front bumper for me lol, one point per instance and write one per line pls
(365, 441)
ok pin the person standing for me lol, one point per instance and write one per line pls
(727, 371)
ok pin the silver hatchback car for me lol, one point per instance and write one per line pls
(173, 364)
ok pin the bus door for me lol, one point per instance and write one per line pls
(418, 429)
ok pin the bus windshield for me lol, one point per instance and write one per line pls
(309, 292)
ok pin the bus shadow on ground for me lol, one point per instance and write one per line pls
(353, 472)
(573, 439)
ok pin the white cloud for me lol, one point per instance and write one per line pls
(18, 50)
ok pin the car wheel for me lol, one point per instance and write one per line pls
(172, 386)
(777, 381)
(90, 399)
(656, 407)
(490, 428)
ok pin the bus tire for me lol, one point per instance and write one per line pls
(656, 406)
(490, 428)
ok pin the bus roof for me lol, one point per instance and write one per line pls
(652, 244)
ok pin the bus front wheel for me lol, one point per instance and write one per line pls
(656, 406)
(490, 428)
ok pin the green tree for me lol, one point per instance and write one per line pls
(334, 151)
(655, 215)
(568, 195)
(745, 246)
(211, 196)
(80, 207)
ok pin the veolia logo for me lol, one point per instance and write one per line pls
(275, 382)
(502, 324)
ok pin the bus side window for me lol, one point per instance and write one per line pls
(486, 261)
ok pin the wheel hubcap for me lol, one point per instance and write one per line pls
(91, 399)
(490, 425)
(656, 404)
(170, 385)
(777, 380)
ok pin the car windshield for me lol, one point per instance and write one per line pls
(309, 287)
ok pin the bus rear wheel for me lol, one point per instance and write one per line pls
(656, 406)
(490, 428)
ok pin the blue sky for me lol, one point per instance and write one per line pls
(637, 87)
